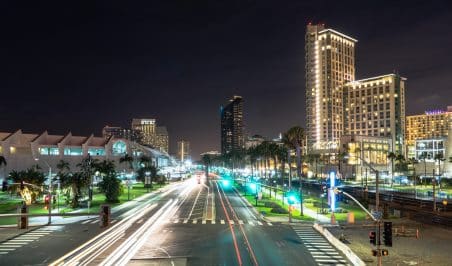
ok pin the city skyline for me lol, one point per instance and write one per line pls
(105, 65)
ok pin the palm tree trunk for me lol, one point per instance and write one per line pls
(299, 178)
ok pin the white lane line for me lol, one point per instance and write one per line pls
(7, 249)
(231, 221)
(259, 222)
(93, 222)
(251, 222)
(212, 222)
(222, 221)
(20, 240)
(195, 221)
(185, 221)
(86, 221)
(326, 260)
(3, 253)
(203, 221)
(176, 221)
(27, 237)
(10, 245)
(240, 222)
(270, 224)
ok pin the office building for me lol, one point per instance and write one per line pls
(119, 132)
(330, 63)
(376, 107)
(161, 140)
(183, 150)
(232, 137)
(146, 127)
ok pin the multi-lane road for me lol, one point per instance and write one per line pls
(185, 224)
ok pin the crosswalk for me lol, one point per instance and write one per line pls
(320, 249)
(26, 238)
(96, 220)
(219, 222)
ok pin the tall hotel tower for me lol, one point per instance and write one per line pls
(330, 63)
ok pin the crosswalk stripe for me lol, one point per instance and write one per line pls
(7, 249)
(259, 222)
(3, 253)
(222, 221)
(93, 222)
(86, 221)
(10, 245)
(195, 221)
(185, 221)
(251, 222)
(240, 222)
(113, 221)
(212, 221)
(176, 221)
(203, 221)
(270, 224)
(231, 221)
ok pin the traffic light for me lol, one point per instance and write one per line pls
(373, 237)
(384, 252)
(387, 234)
(292, 198)
(375, 252)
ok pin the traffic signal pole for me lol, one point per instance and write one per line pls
(377, 207)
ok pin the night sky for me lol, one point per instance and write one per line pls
(79, 66)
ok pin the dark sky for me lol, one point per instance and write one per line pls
(79, 66)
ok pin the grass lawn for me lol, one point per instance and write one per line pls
(312, 203)
(9, 205)
(267, 210)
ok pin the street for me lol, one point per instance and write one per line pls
(185, 224)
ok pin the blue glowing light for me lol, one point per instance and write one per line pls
(332, 199)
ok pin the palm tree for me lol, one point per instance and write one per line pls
(295, 137)
(281, 154)
(127, 159)
(392, 156)
(439, 157)
(110, 184)
(207, 161)
(3, 166)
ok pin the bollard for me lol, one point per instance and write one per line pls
(22, 221)
(104, 216)
(351, 218)
(333, 218)
(417, 233)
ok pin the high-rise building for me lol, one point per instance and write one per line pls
(183, 150)
(376, 107)
(232, 125)
(146, 127)
(119, 132)
(330, 63)
(161, 139)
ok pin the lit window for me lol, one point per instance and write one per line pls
(119, 147)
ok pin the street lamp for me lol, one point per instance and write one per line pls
(49, 190)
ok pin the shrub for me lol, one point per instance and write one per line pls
(279, 210)
(271, 204)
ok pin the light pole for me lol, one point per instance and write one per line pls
(377, 219)
(49, 190)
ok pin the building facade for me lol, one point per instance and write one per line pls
(430, 125)
(121, 133)
(330, 63)
(23, 150)
(183, 150)
(146, 127)
(161, 139)
(376, 107)
(231, 116)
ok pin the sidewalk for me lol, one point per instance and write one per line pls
(432, 247)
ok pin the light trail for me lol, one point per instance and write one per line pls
(237, 252)
(250, 249)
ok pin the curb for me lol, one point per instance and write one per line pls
(351, 256)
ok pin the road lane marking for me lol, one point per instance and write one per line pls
(86, 221)
(203, 221)
(195, 221)
(7, 249)
(185, 221)
(222, 221)
(212, 222)
(240, 222)
(176, 221)
(250, 222)
(270, 224)
(231, 221)
(259, 222)
(93, 222)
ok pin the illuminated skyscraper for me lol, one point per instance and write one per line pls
(183, 150)
(232, 125)
(330, 63)
(147, 129)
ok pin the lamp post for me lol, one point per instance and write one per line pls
(49, 190)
